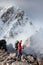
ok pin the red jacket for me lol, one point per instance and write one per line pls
(19, 47)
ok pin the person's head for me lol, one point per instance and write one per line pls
(20, 41)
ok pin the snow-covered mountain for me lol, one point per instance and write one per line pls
(6, 17)
(15, 25)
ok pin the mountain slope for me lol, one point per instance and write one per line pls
(15, 25)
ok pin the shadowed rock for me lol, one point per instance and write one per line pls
(3, 44)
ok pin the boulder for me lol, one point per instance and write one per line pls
(12, 54)
(40, 61)
(30, 58)
(3, 44)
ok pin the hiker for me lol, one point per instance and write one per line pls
(20, 49)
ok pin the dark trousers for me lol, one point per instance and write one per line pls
(19, 54)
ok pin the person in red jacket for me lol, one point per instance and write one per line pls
(20, 49)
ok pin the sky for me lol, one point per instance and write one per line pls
(33, 9)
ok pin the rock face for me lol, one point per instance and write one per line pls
(5, 17)
(40, 59)
(3, 55)
(40, 62)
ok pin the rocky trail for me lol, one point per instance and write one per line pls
(11, 59)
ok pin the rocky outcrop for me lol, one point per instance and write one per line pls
(11, 59)
(3, 44)
(7, 15)
(40, 59)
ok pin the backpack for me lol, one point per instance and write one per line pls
(16, 44)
